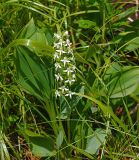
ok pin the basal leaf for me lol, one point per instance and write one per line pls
(35, 39)
(42, 146)
(33, 75)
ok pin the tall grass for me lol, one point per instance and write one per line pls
(100, 120)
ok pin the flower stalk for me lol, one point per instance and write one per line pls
(65, 68)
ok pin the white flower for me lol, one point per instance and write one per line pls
(63, 89)
(73, 76)
(70, 81)
(60, 51)
(56, 55)
(70, 94)
(73, 67)
(66, 33)
(57, 65)
(70, 51)
(58, 77)
(57, 45)
(57, 93)
(57, 36)
(68, 70)
(68, 43)
(65, 60)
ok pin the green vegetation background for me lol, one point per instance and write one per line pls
(101, 121)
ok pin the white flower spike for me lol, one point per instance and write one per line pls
(65, 67)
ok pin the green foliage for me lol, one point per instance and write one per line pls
(122, 81)
(101, 118)
(95, 141)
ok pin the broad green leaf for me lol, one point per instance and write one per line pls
(95, 140)
(29, 30)
(132, 45)
(33, 75)
(122, 82)
(85, 23)
(114, 69)
(133, 37)
(128, 39)
(42, 146)
(36, 40)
